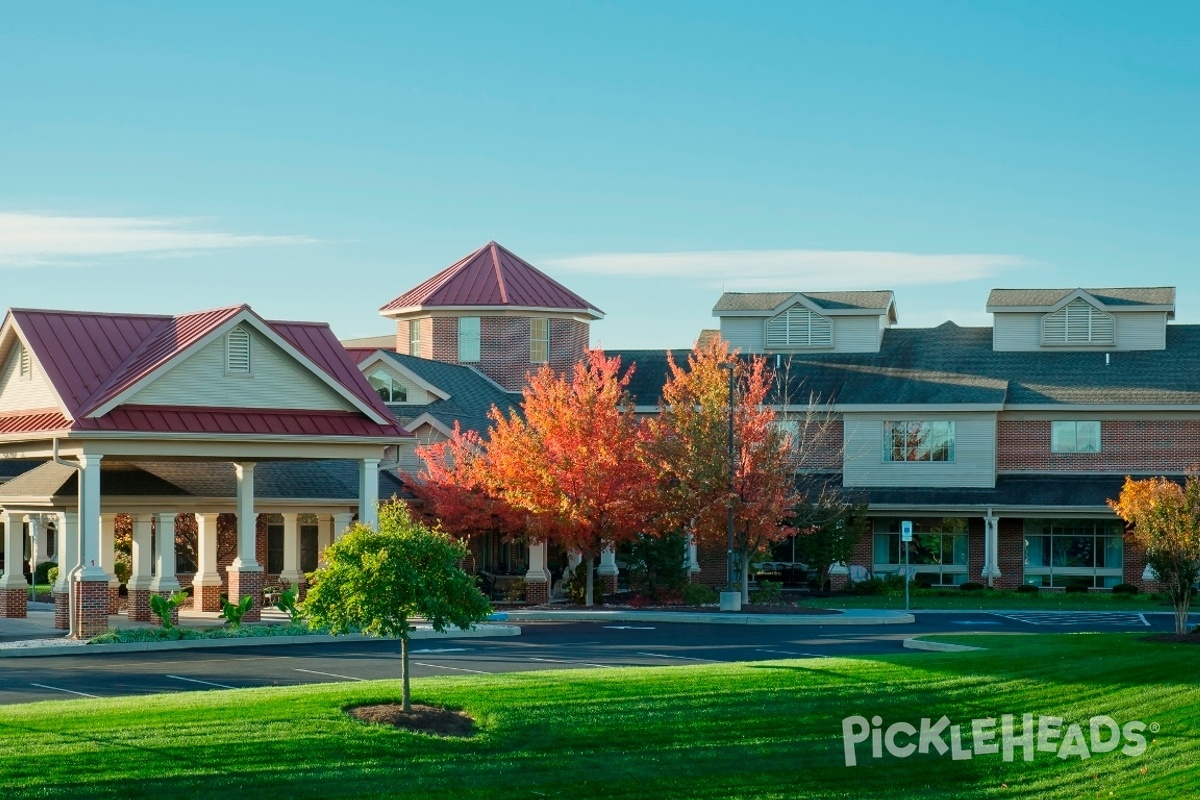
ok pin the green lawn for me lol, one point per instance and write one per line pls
(765, 730)
(992, 599)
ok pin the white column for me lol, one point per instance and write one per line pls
(991, 548)
(89, 518)
(14, 550)
(291, 551)
(164, 579)
(68, 548)
(368, 492)
(537, 564)
(140, 577)
(608, 562)
(693, 562)
(108, 548)
(247, 520)
(324, 534)
(341, 523)
(35, 542)
(206, 552)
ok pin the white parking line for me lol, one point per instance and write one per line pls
(442, 650)
(681, 658)
(68, 691)
(329, 674)
(790, 653)
(567, 661)
(206, 683)
(456, 669)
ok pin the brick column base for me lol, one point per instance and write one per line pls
(91, 608)
(114, 599)
(62, 620)
(839, 581)
(13, 602)
(537, 592)
(208, 598)
(608, 584)
(247, 583)
(139, 606)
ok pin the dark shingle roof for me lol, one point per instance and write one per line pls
(1054, 491)
(1044, 298)
(472, 394)
(830, 301)
(951, 365)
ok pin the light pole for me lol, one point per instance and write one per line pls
(731, 367)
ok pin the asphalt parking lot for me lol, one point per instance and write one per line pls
(542, 645)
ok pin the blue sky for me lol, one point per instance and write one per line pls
(316, 160)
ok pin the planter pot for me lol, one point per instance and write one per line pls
(731, 601)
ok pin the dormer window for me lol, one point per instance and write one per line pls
(237, 352)
(798, 327)
(24, 363)
(414, 337)
(390, 390)
(1078, 322)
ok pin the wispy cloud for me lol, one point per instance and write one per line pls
(783, 270)
(35, 239)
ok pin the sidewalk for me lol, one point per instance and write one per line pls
(856, 616)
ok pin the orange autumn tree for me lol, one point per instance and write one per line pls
(573, 458)
(455, 490)
(1165, 520)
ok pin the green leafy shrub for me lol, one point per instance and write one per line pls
(971, 586)
(42, 573)
(52, 574)
(1076, 588)
(770, 593)
(234, 612)
(656, 561)
(891, 585)
(924, 580)
(287, 604)
(1028, 588)
(1125, 589)
(123, 567)
(575, 587)
(697, 594)
(163, 606)
(515, 590)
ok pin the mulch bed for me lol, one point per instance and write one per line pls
(747, 608)
(422, 719)
(1177, 638)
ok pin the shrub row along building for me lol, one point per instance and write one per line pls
(263, 440)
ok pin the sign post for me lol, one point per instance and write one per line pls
(906, 537)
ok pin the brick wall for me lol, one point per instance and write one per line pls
(403, 343)
(1153, 445)
(1011, 533)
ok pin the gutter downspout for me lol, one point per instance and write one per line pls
(73, 575)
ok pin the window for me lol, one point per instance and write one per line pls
(237, 352)
(414, 337)
(275, 548)
(1075, 437)
(390, 390)
(798, 327)
(1061, 552)
(539, 340)
(938, 549)
(308, 548)
(918, 441)
(1078, 322)
(25, 363)
(468, 339)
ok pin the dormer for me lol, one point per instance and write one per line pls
(802, 322)
(1081, 319)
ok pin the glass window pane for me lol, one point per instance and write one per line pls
(1037, 551)
(1113, 553)
(959, 548)
(1062, 437)
(884, 548)
(468, 339)
(1087, 437)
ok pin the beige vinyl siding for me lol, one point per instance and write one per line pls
(17, 393)
(1135, 330)
(744, 333)
(276, 380)
(857, 334)
(974, 452)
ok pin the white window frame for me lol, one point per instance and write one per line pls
(229, 354)
(1059, 431)
(414, 338)
(469, 341)
(539, 341)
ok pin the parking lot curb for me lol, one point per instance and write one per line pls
(852, 617)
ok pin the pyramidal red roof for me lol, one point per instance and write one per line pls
(491, 276)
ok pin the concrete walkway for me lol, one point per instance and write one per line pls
(856, 616)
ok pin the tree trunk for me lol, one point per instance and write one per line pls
(1182, 601)
(587, 597)
(745, 561)
(406, 698)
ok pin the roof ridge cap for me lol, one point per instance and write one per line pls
(495, 249)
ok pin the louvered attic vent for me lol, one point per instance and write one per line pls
(237, 352)
(1079, 322)
(798, 327)
(26, 362)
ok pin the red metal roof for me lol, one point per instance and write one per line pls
(360, 354)
(491, 276)
(91, 358)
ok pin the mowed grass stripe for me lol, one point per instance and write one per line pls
(755, 730)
